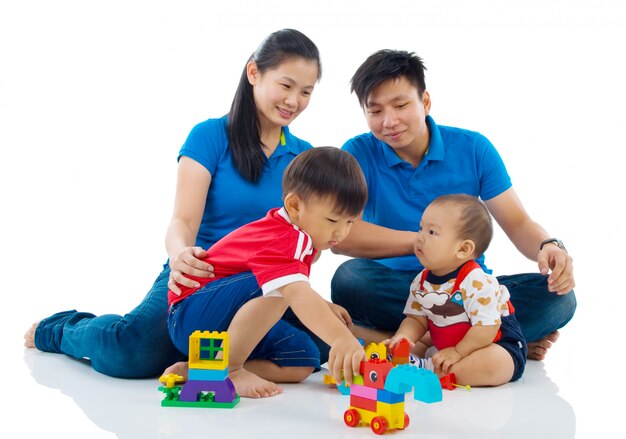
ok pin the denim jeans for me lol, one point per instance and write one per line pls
(375, 296)
(213, 307)
(136, 345)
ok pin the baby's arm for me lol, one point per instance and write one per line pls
(412, 328)
(346, 353)
(476, 338)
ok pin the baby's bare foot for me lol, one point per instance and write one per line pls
(250, 385)
(181, 368)
(537, 350)
(29, 337)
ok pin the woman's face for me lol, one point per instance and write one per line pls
(282, 93)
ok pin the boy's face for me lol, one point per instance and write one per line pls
(317, 217)
(397, 116)
(437, 244)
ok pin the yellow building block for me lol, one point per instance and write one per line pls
(208, 350)
(393, 413)
(376, 350)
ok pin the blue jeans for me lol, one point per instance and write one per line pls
(375, 296)
(136, 345)
(213, 307)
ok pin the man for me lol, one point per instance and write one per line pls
(408, 161)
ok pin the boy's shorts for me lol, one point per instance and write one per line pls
(213, 307)
(513, 341)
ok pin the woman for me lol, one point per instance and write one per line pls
(229, 173)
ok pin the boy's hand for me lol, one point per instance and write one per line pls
(346, 354)
(445, 359)
(341, 313)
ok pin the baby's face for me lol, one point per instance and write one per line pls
(437, 240)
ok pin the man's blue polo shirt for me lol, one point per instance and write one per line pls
(232, 200)
(457, 161)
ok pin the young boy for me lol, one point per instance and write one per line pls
(469, 315)
(263, 268)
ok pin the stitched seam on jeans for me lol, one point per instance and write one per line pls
(283, 339)
(212, 286)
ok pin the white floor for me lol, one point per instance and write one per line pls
(563, 397)
(96, 100)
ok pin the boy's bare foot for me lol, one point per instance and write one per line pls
(181, 368)
(29, 337)
(250, 385)
(537, 350)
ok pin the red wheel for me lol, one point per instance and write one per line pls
(351, 417)
(379, 425)
(406, 421)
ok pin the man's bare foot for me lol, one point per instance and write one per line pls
(29, 337)
(250, 385)
(537, 350)
(181, 368)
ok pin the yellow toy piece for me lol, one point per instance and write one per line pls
(376, 350)
(171, 379)
(208, 350)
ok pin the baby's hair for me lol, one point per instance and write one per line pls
(474, 219)
(324, 172)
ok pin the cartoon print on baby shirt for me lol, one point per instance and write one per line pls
(442, 309)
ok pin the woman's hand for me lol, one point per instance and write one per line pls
(188, 262)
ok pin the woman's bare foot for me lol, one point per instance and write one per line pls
(29, 337)
(181, 368)
(537, 350)
(250, 385)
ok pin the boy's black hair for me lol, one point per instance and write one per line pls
(384, 65)
(324, 172)
(474, 220)
(244, 131)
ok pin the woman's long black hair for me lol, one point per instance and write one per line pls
(244, 130)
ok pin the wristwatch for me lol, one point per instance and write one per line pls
(554, 241)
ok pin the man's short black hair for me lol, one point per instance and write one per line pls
(384, 65)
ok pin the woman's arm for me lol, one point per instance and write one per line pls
(367, 240)
(527, 236)
(192, 186)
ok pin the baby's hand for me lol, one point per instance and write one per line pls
(445, 359)
(393, 341)
(346, 354)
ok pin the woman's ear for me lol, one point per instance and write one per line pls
(253, 72)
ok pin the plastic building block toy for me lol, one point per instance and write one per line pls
(343, 388)
(379, 401)
(208, 384)
(449, 382)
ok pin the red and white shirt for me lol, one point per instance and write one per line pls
(276, 251)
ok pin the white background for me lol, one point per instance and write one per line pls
(96, 99)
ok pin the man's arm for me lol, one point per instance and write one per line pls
(527, 236)
(367, 240)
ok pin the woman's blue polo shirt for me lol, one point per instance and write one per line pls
(233, 201)
(457, 161)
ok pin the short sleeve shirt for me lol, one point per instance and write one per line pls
(233, 201)
(457, 161)
(479, 301)
(276, 251)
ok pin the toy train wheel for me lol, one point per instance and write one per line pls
(379, 425)
(406, 421)
(351, 417)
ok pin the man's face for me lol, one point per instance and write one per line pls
(397, 116)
